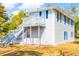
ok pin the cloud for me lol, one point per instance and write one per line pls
(8, 6)
(15, 12)
(13, 8)
(24, 5)
(30, 5)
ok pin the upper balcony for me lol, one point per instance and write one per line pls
(34, 21)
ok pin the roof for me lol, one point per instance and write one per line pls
(57, 9)
(63, 12)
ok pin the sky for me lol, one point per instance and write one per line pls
(14, 8)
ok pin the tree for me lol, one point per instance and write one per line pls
(72, 10)
(3, 19)
(17, 19)
(5, 16)
(2, 10)
(2, 22)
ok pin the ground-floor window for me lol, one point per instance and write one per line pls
(71, 34)
(65, 35)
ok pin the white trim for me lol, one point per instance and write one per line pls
(39, 35)
(30, 34)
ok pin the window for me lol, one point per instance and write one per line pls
(72, 22)
(64, 19)
(60, 17)
(71, 34)
(68, 21)
(46, 13)
(40, 13)
(65, 35)
(57, 15)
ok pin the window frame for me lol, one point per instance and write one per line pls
(57, 16)
(71, 34)
(65, 20)
(60, 17)
(40, 13)
(72, 22)
(65, 35)
(47, 12)
(68, 21)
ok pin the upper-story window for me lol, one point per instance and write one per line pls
(68, 21)
(57, 15)
(72, 22)
(40, 13)
(65, 20)
(60, 17)
(46, 13)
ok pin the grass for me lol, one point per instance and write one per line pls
(68, 49)
(24, 53)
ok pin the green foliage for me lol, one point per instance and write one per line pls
(17, 19)
(5, 16)
(74, 12)
(22, 14)
(76, 25)
(6, 28)
(2, 22)
(3, 19)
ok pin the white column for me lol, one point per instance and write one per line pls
(26, 37)
(23, 36)
(30, 35)
(39, 35)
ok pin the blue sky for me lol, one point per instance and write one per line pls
(12, 8)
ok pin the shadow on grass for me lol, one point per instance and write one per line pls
(24, 53)
(76, 42)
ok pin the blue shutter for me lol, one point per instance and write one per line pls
(57, 14)
(40, 13)
(64, 19)
(60, 18)
(46, 13)
(72, 22)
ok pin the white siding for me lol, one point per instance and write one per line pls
(59, 32)
(48, 36)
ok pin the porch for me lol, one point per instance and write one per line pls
(33, 30)
(32, 35)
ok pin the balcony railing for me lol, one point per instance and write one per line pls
(34, 21)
